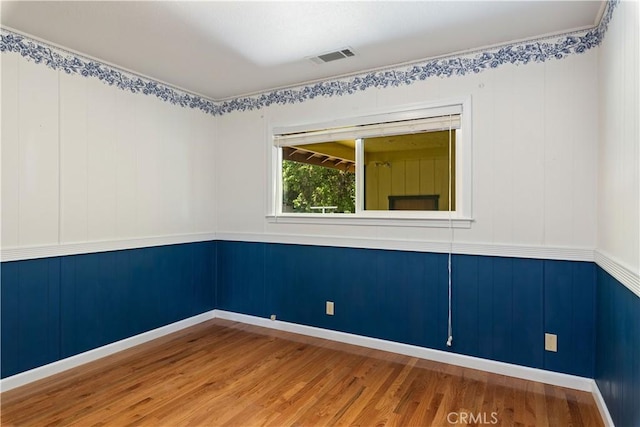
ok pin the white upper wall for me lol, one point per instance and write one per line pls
(619, 139)
(535, 131)
(85, 162)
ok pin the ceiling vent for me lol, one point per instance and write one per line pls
(333, 56)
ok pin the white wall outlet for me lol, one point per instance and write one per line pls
(273, 317)
(551, 342)
(330, 308)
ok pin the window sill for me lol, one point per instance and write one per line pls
(371, 220)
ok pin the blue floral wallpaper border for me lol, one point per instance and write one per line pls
(519, 53)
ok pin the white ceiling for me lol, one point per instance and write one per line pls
(227, 49)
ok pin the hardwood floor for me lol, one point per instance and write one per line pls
(225, 373)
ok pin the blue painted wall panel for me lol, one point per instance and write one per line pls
(617, 351)
(241, 272)
(485, 309)
(501, 306)
(38, 342)
(559, 312)
(583, 316)
(381, 294)
(349, 284)
(30, 314)
(570, 313)
(436, 295)
(204, 264)
(465, 304)
(10, 325)
(61, 306)
(388, 296)
(528, 312)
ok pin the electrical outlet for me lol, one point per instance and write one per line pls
(551, 342)
(330, 308)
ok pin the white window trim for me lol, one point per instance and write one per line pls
(460, 218)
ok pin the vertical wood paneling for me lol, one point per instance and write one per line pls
(86, 317)
(204, 264)
(161, 210)
(441, 172)
(125, 153)
(466, 307)
(175, 170)
(398, 177)
(57, 307)
(241, 270)
(38, 163)
(407, 177)
(528, 312)
(202, 186)
(437, 282)
(74, 192)
(482, 159)
(389, 267)
(384, 186)
(172, 169)
(370, 189)
(528, 156)
(584, 155)
(569, 313)
(501, 306)
(85, 161)
(68, 301)
(485, 308)
(502, 135)
(412, 177)
(38, 312)
(241, 206)
(282, 270)
(10, 134)
(558, 312)
(149, 169)
(10, 325)
(144, 271)
(101, 162)
(583, 279)
(558, 140)
(618, 147)
(517, 113)
(617, 354)
(427, 177)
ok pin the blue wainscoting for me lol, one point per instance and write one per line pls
(57, 307)
(618, 349)
(501, 306)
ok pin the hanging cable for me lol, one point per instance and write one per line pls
(449, 324)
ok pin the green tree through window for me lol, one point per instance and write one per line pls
(306, 185)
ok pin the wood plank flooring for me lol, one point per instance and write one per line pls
(226, 373)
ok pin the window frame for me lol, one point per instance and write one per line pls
(460, 218)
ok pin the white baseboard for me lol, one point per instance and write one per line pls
(517, 371)
(602, 406)
(97, 353)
